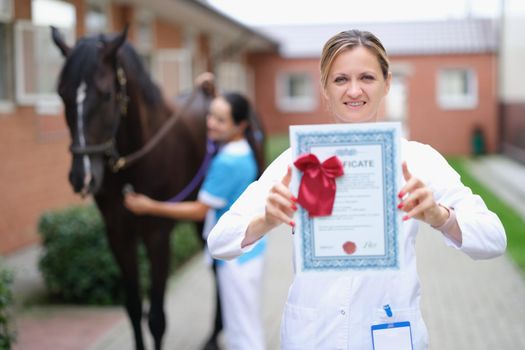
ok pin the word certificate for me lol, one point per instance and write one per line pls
(361, 234)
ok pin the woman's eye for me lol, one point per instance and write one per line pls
(338, 80)
(368, 77)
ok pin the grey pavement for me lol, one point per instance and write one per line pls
(189, 304)
(466, 304)
(28, 285)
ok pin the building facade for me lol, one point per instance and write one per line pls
(177, 40)
(444, 82)
(512, 76)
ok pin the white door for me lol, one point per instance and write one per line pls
(397, 102)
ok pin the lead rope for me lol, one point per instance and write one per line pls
(192, 185)
(182, 195)
(126, 161)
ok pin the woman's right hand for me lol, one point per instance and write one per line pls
(281, 203)
(280, 206)
(138, 203)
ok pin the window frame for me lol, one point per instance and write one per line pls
(232, 76)
(7, 16)
(288, 104)
(459, 102)
(23, 97)
(7, 104)
(145, 19)
(104, 9)
(181, 57)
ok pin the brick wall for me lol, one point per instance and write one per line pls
(33, 175)
(167, 35)
(447, 130)
(22, 9)
(266, 68)
(35, 164)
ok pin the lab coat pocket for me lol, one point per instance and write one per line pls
(417, 325)
(298, 328)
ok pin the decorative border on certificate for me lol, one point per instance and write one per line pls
(382, 135)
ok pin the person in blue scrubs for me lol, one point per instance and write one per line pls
(235, 166)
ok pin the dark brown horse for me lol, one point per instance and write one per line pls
(113, 108)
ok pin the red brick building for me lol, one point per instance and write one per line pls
(445, 79)
(445, 83)
(176, 39)
(512, 76)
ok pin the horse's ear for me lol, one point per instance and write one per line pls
(111, 47)
(58, 39)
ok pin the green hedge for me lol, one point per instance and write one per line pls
(7, 333)
(77, 265)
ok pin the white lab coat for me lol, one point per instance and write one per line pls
(327, 312)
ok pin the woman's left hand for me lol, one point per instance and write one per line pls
(417, 201)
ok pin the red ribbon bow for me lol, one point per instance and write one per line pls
(317, 188)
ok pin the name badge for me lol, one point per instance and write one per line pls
(392, 336)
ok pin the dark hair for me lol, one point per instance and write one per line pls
(242, 111)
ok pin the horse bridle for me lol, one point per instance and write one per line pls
(108, 148)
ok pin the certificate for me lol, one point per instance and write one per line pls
(362, 233)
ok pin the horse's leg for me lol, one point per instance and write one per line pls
(211, 343)
(158, 249)
(124, 247)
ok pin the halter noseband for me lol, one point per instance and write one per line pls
(108, 147)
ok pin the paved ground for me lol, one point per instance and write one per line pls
(467, 304)
(504, 177)
(190, 309)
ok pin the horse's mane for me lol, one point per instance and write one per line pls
(136, 73)
(81, 65)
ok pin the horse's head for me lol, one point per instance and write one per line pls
(92, 86)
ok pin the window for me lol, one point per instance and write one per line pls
(38, 60)
(295, 92)
(96, 19)
(457, 88)
(232, 76)
(6, 68)
(397, 102)
(53, 12)
(6, 10)
(6, 56)
(38, 63)
(145, 38)
(172, 71)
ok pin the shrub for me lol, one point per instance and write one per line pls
(7, 334)
(185, 243)
(77, 264)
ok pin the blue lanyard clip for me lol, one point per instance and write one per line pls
(387, 309)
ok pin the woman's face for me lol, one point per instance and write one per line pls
(355, 86)
(221, 127)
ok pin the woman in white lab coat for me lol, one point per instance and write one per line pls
(337, 312)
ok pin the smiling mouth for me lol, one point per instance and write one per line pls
(355, 104)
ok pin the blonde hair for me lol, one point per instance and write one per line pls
(348, 40)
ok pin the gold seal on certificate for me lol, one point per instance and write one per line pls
(361, 234)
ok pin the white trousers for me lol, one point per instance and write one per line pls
(240, 288)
